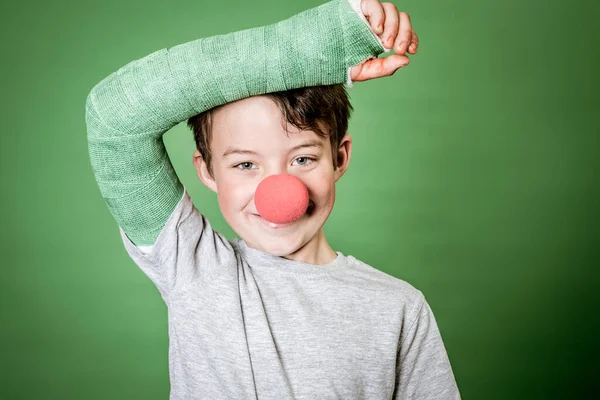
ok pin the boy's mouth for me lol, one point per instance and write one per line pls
(309, 210)
(271, 224)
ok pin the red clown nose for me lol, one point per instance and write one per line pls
(281, 199)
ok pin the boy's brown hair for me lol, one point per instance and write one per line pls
(323, 109)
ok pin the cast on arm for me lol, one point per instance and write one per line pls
(128, 112)
(423, 370)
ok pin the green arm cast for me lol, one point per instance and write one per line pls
(128, 112)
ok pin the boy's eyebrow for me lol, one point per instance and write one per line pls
(310, 143)
(232, 150)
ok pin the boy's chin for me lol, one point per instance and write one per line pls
(280, 249)
(279, 246)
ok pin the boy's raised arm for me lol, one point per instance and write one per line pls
(128, 112)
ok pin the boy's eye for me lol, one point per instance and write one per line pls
(244, 165)
(304, 160)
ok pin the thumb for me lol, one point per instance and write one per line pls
(378, 67)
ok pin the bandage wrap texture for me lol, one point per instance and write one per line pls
(128, 112)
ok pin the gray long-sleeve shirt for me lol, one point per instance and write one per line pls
(244, 324)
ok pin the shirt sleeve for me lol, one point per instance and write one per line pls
(187, 250)
(423, 368)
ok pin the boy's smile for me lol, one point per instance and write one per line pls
(273, 225)
(250, 143)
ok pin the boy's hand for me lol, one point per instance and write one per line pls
(395, 30)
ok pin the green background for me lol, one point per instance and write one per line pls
(474, 177)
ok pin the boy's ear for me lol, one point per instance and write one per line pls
(343, 156)
(202, 171)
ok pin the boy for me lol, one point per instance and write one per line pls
(276, 314)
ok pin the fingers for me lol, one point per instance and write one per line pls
(378, 67)
(393, 27)
(390, 25)
(404, 38)
(373, 11)
(414, 44)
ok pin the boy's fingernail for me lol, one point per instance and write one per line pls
(378, 29)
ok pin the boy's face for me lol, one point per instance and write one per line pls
(248, 144)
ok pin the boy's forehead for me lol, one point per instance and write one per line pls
(249, 113)
(257, 123)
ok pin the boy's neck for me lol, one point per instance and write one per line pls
(317, 251)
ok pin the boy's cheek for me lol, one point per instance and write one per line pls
(320, 183)
(236, 194)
